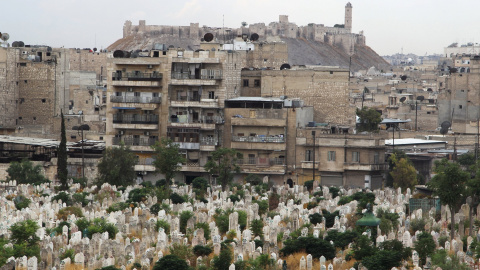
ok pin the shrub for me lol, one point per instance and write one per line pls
(344, 200)
(69, 210)
(119, 206)
(311, 245)
(242, 219)
(184, 217)
(199, 250)
(64, 197)
(222, 222)
(171, 262)
(200, 183)
(162, 224)
(206, 229)
(21, 202)
(69, 253)
(138, 195)
(253, 179)
(176, 199)
(334, 191)
(417, 224)
(80, 198)
(309, 185)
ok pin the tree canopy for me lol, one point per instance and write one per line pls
(167, 158)
(171, 262)
(449, 185)
(117, 166)
(369, 119)
(25, 172)
(62, 170)
(223, 164)
(403, 173)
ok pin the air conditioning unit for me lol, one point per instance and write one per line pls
(130, 89)
(147, 133)
(149, 66)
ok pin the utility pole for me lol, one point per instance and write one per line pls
(313, 167)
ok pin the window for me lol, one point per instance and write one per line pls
(308, 155)
(256, 83)
(460, 106)
(355, 156)
(376, 157)
(245, 83)
(331, 156)
(251, 159)
(211, 94)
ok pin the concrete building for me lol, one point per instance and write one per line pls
(263, 131)
(339, 160)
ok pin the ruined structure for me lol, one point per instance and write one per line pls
(313, 44)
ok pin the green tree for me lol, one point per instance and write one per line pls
(223, 163)
(257, 227)
(24, 239)
(117, 166)
(425, 246)
(62, 171)
(311, 245)
(449, 185)
(369, 119)
(404, 174)
(223, 261)
(25, 173)
(171, 262)
(167, 158)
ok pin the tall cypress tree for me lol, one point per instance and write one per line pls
(62, 170)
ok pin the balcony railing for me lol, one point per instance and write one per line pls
(208, 141)
(259, 138)
(262, 161)
(130, 99)
(136, 76)
(205, 74)
(135, 119)
(203, 119)
(131, 141)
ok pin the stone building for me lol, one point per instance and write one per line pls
(459, 102)
(263, 131)
(348, 160)
(324, 88)
(37, 83)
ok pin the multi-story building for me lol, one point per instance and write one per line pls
(339, 160)
(262, 130)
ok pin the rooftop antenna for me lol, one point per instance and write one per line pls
(223, 27)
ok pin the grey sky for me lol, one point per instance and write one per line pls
(417, 26)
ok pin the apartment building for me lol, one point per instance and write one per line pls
(262, 130)
(339, 160)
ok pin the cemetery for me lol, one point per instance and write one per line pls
(253, 225)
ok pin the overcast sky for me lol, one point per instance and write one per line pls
(417, 26)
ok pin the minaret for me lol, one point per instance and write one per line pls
(348, 17)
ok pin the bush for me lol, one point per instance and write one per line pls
(69, 253)
(138, 195)
(222, 222)
(310, 245)
(242, 219)
(417, 224)
(171, 262)
(253, 179)
(119, 206)
(200, 183)
(341, 240)
(80, 198)
(309, 185)
(25, 172)
(64, 197)
(257, 227)
(344, 200)
(206, 229)
(21, 202)
(199, 250)
(176, 199)
(315, 218)
(334, 191)
(98, 225)
(69, 210)
(161, 183)
(162, 224)
(262, 206)
(184, 217)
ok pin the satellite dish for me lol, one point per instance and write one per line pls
(5, 36)
(402, 99)
(254, 37)
(208, 37)
(118, 54)
(404, 77)
(285, 66)
(446, 124)
(429, 90)
(94, 49)
(420, 98)
(394, 75)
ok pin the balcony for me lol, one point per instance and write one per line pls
(132, 99)
(201, 103)
(192, 167)
(204, 122)
(260, 138)
(309, 164)
(208, 144)
(188, 145)
(365, 167)
(206, 77)
(135, 121)
(136, 143)
(262, 165)
(136, 76)
(272, 122)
